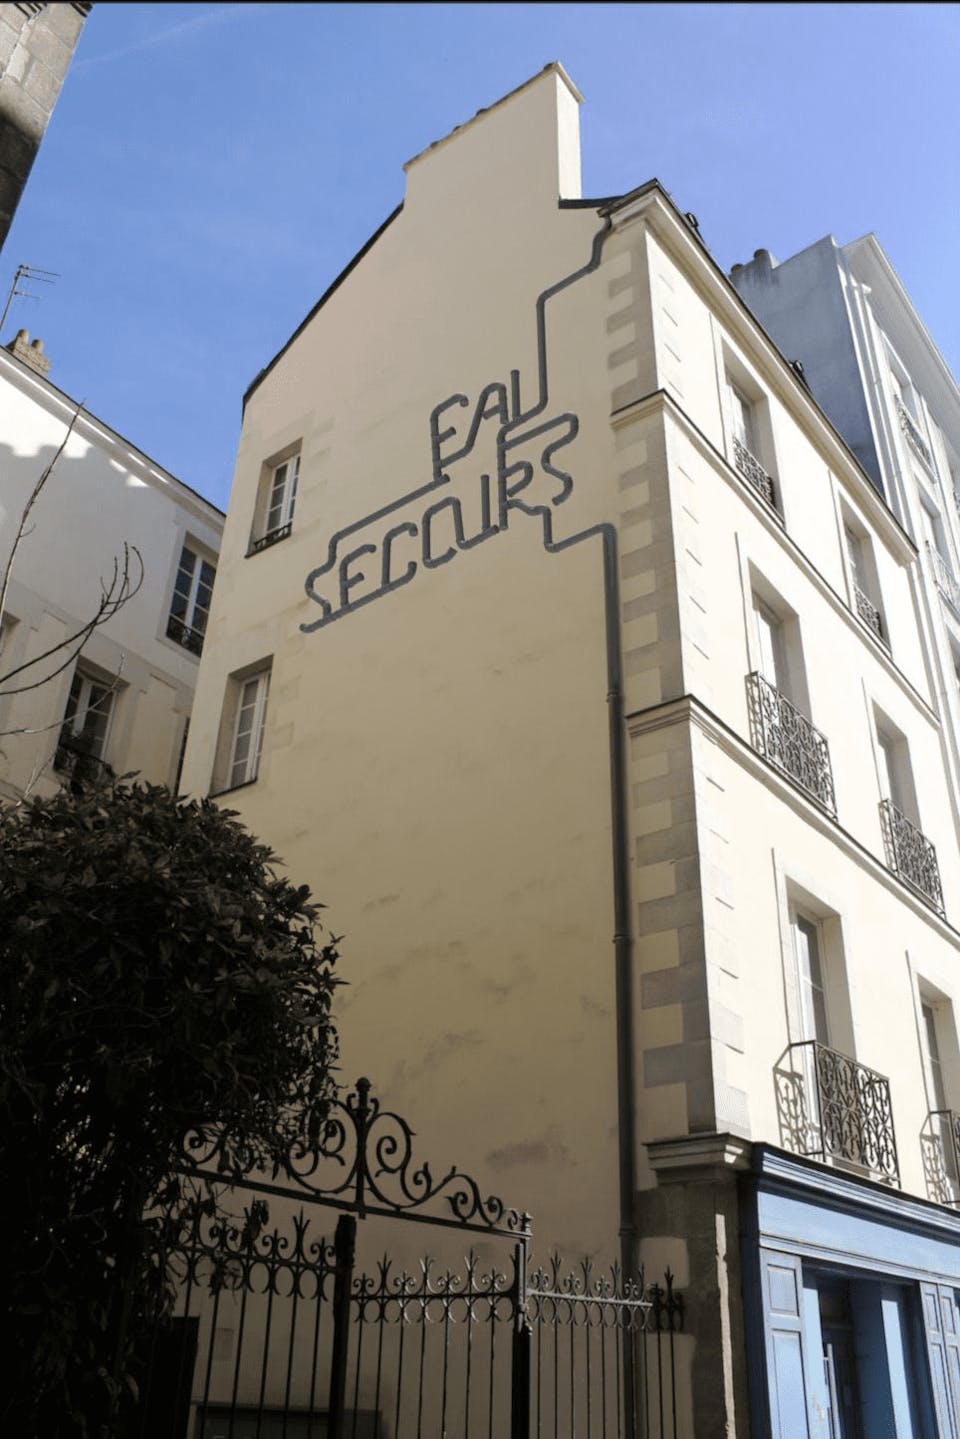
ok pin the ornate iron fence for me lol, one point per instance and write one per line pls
(944, 576)
(909, 427)
(911, 855)
(940, 1148)
(869, 613)
(272, 537)
(75, 762)
(279, 1330)
(191, 639)
(787, 739)
(833, 1108)
(752, 470)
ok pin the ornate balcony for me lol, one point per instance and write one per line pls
(834, 1109)
(787, 739)
(75, 762)
(943, 574)
(911, 855)
(191, 640)
(869, 613)
(751, 469)
(909, 427)
(940, 1146)
(272, 537)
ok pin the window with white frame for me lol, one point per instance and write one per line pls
(865, 595)
(190, 604)
(276, 502)
(251, 715)
(810, 981)
(934, 1064)
(86, 727)
(749, 429)
(771, 646)
(941, 1134)
(909, 853)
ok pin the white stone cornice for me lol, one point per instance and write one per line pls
(694, 1157)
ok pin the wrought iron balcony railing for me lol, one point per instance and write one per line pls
(909, 427)
(911, 855)
(191, 639)
(751, 468)
(787, 739)
(940, 1143)
(944, 576)
(75, 762)
(869, 613)
(270, 538)
(834, 1109)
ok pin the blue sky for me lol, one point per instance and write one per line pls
(209, 169)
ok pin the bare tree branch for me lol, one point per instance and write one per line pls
(34, 496)
(113, 597)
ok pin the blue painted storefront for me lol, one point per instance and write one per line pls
(852, 1300)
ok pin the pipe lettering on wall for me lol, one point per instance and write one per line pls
(524, 479)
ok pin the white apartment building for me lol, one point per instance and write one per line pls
(74, 700)
(565, 648)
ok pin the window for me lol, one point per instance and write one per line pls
(278, 497)
(248, 729)
(750, 435)
(190, 606)
(938, 549)
(778, 703)
(908, 408)
(771, 647)
(85, 728)
(938, 1093)
(863, 580)
(939, 1139)
(909, 853)
(813, 999)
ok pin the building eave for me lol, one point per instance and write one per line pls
(96, 431)
(653, 203)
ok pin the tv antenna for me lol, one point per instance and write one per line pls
(27, 274)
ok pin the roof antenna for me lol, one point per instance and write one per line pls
(24, 275)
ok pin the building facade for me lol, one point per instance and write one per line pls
(79, 698)
(565, 648)
(36, 46)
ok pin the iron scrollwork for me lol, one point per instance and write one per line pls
(869, 613)
(752, 470)
(911, 855)
(840, 1110)
(787, 739)
(360, 1157)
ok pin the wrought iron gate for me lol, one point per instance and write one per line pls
(279, 1332)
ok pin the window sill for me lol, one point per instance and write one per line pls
(272, 537)
(231, 788)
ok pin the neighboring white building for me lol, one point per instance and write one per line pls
(554, 611)
(842, 311)
(120, 697)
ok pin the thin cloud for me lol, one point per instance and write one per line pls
(197, 22)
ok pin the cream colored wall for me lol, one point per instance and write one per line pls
(101, 494)
(436, 764)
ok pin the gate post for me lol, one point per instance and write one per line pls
(345, 1247)
(520, 1348)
